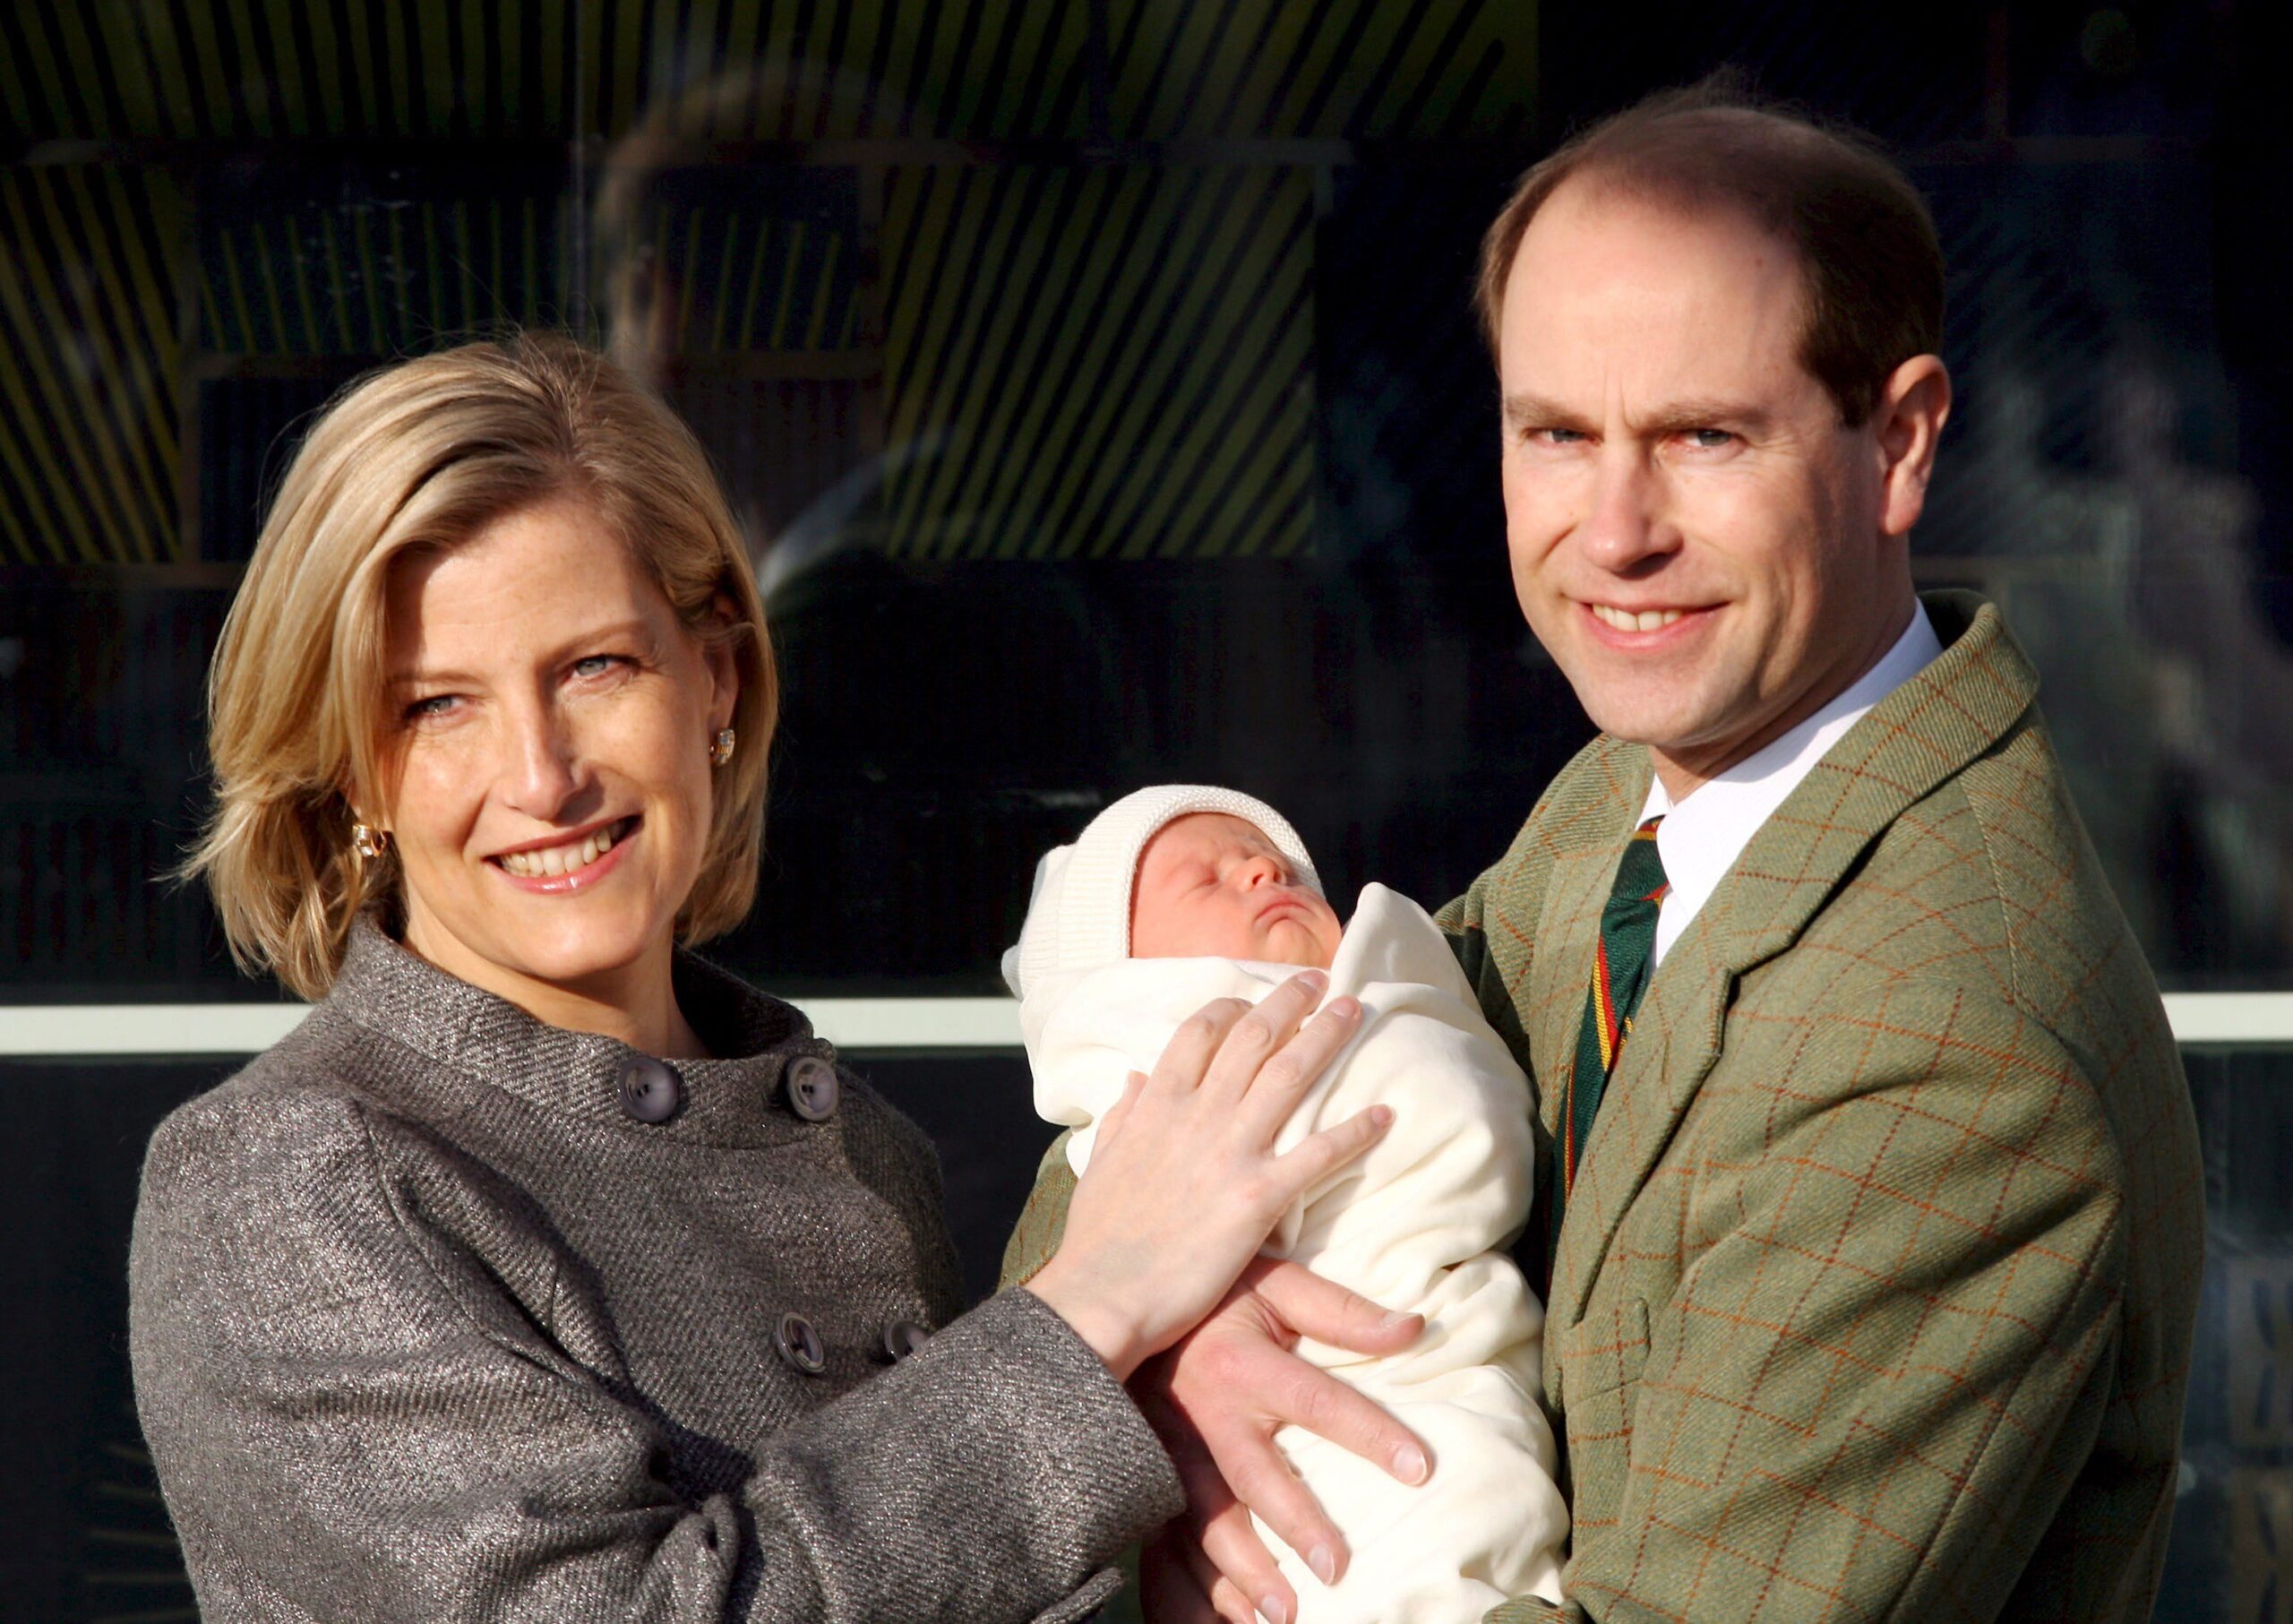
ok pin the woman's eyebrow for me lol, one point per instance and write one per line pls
(423, 677)
(633, 630)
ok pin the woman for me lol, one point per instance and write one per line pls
(545, 1271)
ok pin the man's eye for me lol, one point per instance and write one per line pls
(596, 665)
(1709, 439)
(1556, 436)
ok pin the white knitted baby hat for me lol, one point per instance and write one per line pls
(1079, 917)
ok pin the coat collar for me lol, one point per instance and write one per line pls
(1965, 701)
(477, 1042)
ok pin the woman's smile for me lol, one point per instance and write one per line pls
(570, 864)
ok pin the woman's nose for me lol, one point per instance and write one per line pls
(541, 765)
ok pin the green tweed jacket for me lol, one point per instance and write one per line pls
(1875, 1295)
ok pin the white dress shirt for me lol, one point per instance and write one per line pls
(1703, 835)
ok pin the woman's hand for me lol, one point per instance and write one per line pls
(1184, 1185)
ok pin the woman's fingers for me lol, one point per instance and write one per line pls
(1185, 1182)
(1188, 1058)
(1321, 1155)
(1273, 1093)
(1252, 1043)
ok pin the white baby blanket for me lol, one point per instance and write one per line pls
(1415, 1224)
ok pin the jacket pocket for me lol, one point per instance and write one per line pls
(1600, 1385)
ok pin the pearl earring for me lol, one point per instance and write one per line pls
(720, 748)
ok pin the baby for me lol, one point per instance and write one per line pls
(1178, 895)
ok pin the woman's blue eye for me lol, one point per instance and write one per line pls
(430, 705)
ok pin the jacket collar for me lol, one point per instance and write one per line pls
(1928, 729)
(476, 1041)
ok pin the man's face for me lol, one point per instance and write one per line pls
(1214, 886)
(1695, 536)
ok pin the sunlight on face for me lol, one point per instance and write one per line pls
(1214, 886)
(550, 720)
(1695, 536)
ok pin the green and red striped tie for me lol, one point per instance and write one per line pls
(1620, 971)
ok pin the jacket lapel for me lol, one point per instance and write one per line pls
(1968, 699)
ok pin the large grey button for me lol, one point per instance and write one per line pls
(650, 1090)
(903, 1338)
(800, 1344)
(812, 1088)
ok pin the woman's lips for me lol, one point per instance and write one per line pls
(582, 863)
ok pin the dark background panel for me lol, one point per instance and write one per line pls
(875, 340)
(87, 1535)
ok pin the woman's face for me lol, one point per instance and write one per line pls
(551, 807)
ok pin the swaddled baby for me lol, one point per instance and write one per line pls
(1178, 895)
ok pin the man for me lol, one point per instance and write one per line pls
(1869, 1171)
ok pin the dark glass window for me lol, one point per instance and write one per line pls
(1098, 388)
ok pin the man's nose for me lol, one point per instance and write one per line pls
(1626, 523)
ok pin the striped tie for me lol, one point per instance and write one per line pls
(1619, 976)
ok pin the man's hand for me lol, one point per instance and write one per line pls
(1217, 1397)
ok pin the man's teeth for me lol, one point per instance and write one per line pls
(1646, 620)
(559, 859)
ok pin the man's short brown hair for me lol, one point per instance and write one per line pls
(1871, 264)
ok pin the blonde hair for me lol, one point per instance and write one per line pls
(422, 455)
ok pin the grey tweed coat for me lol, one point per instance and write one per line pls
(428, 1322)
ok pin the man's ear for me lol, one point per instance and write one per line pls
(1913, 407)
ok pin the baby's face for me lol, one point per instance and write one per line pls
(1212, 886)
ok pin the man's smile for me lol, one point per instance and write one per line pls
(1640, 628)
(1628, 620)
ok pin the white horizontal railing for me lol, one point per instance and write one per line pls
(97, 1029)
(859, 1024)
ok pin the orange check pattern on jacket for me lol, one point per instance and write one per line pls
(1875, 1295)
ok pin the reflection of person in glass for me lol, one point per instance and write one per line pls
(1876, 1203)
(546, 1272)
(1178, 894)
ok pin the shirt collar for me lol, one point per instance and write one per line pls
(1706, 831)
